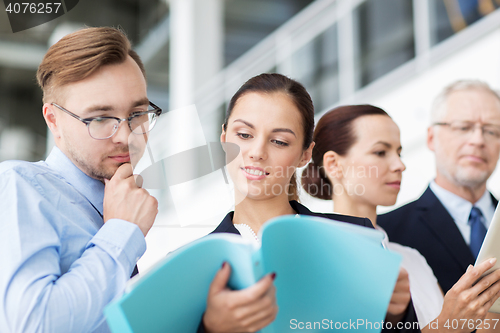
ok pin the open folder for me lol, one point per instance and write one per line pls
(328, 273)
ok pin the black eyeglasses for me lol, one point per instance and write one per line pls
(101, 128)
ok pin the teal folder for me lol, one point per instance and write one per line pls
(328, 273)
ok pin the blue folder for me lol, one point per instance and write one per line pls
(328, 273)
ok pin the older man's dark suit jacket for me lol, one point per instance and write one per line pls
(427, 226)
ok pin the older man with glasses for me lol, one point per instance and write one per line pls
(447, 224)
(73, 226)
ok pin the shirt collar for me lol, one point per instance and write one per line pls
(227, 224)
(385, 241)
(459, 208)
(91, 188)
(299, 208)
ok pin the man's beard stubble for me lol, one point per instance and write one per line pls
(463, 178)
(97, 172)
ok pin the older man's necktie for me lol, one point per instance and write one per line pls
(477, 231)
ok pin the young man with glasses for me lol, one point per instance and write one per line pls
(447, 224)
(73, 226)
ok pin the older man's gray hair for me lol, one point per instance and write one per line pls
(438, 110)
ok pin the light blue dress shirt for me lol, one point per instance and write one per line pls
(59, 265)
(459, 208)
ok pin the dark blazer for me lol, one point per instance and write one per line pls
(227, 226)
(426, 225)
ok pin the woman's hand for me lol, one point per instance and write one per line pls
(400, 298)
(247, 310)
(468, 301)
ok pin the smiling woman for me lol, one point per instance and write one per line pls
(285, 107)
(271, 119)
(267, 128)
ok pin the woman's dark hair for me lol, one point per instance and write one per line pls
(274, 83)
(334, 132)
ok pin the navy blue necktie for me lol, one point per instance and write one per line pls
(477, 231)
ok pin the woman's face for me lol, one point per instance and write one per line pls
(268, 129)
(371, 171)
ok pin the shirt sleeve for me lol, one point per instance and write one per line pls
(35, 295)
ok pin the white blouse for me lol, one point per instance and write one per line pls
(246, 232)
(425, 292)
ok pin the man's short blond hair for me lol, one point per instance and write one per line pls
(80, 54)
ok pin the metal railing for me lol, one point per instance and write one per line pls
(274, 53)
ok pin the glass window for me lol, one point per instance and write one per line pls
(20, 98)
(315, 65)
(448, 17)
(384, 38)
(247, 22)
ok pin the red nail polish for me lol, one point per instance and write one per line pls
(273, 276)
(223, 264)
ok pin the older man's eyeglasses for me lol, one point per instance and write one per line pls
(101, 128)
(465, 128)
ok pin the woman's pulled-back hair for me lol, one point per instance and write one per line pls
(277, 83)
(334, 132)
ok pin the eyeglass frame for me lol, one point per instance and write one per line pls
(157, 110)
(481, 126)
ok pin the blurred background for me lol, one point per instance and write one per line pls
(396, 54)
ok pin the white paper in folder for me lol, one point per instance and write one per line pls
(491, 249)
